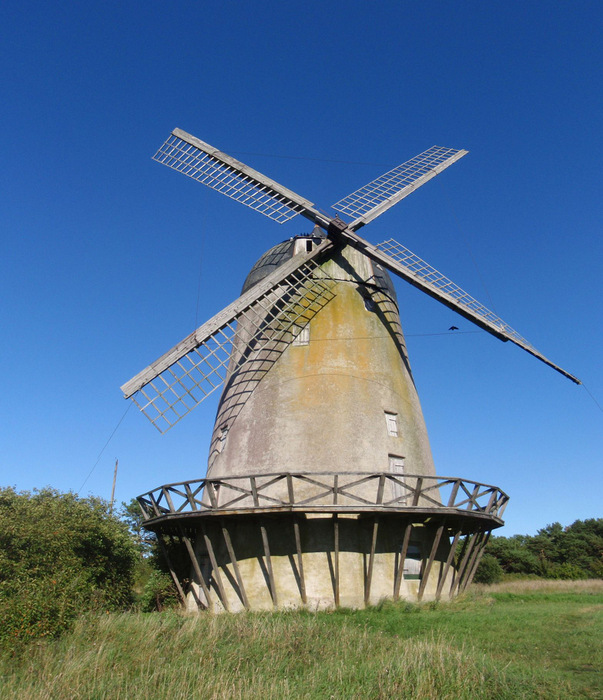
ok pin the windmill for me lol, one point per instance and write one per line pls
(321, 488)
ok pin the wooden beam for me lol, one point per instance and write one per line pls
(215, 568)
(197, 569)
(432, 554)
(300, 564)
(480, 553)
(269, 564)
(336, 556)
(449, 561)
(403, 551)
(235, 564)
(369, 576)
(466, 556)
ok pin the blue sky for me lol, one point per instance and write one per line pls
(109, 259)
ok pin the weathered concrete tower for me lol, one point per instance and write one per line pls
(320, 489)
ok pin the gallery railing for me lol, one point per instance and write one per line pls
(323, 491)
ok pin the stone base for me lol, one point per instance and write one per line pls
(325, 560)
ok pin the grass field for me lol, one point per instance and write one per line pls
(516, 640)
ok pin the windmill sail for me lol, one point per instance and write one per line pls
(256, 329)
(403, 262)
(219, 171)
(378, 196)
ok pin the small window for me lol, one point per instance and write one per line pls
(369, 304)
(399, 493)
(303, 338)
(222, 439)
(412, 563)
(391, 421)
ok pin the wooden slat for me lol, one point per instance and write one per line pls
(269, 564)
(215, 568)
(336, 556)
(300, 563)
(432, 554)
(448, 564)
(197, 568)
(369, 576)
(403, 551)
(235, 564)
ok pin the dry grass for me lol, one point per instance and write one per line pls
(542, 585)
(520, 639)
(248, 656)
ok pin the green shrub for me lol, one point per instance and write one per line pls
(489, 570)
(567, 572)
(60, 555)
(159, 593)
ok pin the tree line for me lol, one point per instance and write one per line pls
(555, 552)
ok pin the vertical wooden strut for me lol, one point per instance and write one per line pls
(300, 564)
(432, 554)
(235, 564)
(296, 533)
(479, 554)
(467, 552)
(336, 556)
(449, 561)
(269, 564)
(216, 569)
(197, 569)
(369, 575)
(403, 551)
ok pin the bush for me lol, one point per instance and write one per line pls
(159, 593)
(60, 555)
(567, 572)
(489, 570)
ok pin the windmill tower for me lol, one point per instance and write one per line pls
(321, 488)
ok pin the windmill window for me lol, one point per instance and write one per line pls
(396, 466)
(391, 422)
(303, 337)
(412, 563)
(222, 439)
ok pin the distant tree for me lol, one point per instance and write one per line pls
(132, 515)
(489, 570)
(60, 555)
(571, 552)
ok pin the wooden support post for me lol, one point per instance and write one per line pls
(215, 568)
(456, 569)
(300, 563)
(336, 556)
(469, 568)
(166, 556)
(403, 551)
(480, 553)
(369, 576)
(432, 554)
(468, 550)
(268, 563)
(235, 564)
(197, 569)
(449, 561)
